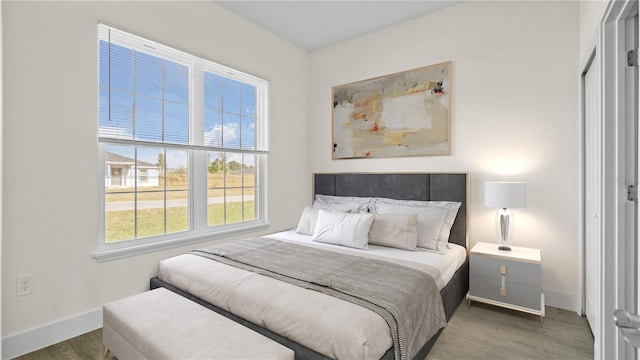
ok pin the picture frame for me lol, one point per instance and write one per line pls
(402, 114)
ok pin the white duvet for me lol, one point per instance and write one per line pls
(332, 327)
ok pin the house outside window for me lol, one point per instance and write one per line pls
(121, 172)
(183, 146)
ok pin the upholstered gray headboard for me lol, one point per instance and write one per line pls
(416, 186)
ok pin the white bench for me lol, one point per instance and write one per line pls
(160, 324)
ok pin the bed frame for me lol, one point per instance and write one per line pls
(414, 186)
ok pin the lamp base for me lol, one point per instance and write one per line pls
(504, 226)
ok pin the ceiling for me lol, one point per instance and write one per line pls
(312, 24)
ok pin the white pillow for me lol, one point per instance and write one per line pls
(451, 208)
(353, 203)
(344, 229)
(397, 231)
(309, 218)
(430, 221)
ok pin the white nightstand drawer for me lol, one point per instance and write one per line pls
(514, 271)
(514, 293)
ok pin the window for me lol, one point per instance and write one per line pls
(193, 134)
(143, 175)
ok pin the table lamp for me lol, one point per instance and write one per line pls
(505, 195)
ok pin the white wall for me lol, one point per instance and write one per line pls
(515, 110)
(50, 118)
(591, 13)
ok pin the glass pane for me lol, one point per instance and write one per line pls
(212, 128)
(148, 118)
(212, 91)
(161, 164)
(119, 169)
(104, 64)
(248, 100)
(151, 161)
(234, 169)
(176, 82)
(248, 131)
(215, 208)
(150, 214)
(233, 180)
(119, 216)
(249, 204)
(231, 100)
(231, 131)
(177, 162)
(249, 170)
(176, 122)
(103, 109)
(177, 211)
(216, 167)
(119, 116)
(148, 74)
(121, 71)
(233, 206)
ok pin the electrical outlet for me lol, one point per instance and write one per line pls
(24, 285)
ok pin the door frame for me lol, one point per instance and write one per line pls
(615, 295)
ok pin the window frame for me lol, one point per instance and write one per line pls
(198, 229)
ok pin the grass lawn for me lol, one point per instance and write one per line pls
(120, 225)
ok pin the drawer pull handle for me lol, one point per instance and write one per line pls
(503, 291)
(503, 270)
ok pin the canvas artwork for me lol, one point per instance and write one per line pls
(402, 114)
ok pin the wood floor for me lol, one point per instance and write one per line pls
(476, 332)
(488, 332)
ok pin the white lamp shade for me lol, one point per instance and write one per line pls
(504, 194)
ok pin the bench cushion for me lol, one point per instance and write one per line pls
(160, 324)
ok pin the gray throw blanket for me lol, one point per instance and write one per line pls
(407, 299)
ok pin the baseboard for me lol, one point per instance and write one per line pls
(562, 300)
(38, 338)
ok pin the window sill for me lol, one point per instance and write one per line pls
(108, 253)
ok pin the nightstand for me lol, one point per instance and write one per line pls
(510, 279)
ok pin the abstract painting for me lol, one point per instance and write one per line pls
(402, 114)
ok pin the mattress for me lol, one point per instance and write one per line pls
(330, 326)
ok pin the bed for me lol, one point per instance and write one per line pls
(309, 341)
